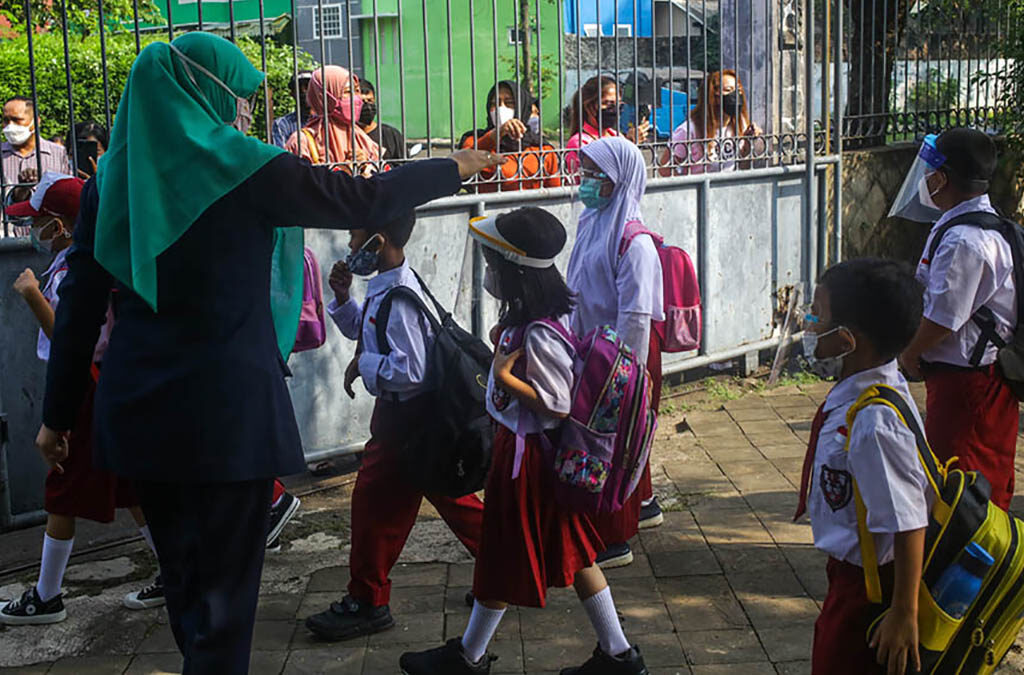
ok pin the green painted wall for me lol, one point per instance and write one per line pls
(216, 12)
(485, 42)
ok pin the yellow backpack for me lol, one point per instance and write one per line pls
(961, 514)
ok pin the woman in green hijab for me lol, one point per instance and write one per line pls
(182, 222)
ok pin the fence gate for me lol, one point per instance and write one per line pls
(756, 204)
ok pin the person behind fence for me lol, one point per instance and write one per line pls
(863, 315)
(19, 150)
(384, 503)
(594, 114)
(529, 542)
(92, 139)
(342, 142)
(390, 139)
(74, 488)
(192, 404)
(970, 303)
(621, 290)
(530, 163)
(288, 124)
(718, 134)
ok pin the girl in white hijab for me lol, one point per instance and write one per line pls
(617, 288)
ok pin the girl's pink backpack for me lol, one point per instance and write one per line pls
(680, 331)
(312, 330)
(605, 442)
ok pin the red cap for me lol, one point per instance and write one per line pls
(56, 195)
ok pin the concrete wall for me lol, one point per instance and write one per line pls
(871, 179)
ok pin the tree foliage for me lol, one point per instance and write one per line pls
(83, 16)
(87, 65)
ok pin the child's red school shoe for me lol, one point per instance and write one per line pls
(627, 663)
(449, 659)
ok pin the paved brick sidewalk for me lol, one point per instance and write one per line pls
(727, 585)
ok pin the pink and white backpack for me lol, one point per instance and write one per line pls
(680, 331)
(312, 330)
(605, 442)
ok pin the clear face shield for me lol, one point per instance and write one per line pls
(915, 199)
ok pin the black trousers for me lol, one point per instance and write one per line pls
(210, 539)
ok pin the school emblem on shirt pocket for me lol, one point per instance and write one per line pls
(837, 486)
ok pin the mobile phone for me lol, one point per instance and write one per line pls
(86, 151)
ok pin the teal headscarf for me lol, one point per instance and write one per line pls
(173, 153)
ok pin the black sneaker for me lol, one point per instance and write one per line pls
(149, 597)
(280, 515)
(274, 546)
(650, 514)
(449, 660)
(348, 619)
(31, 610)
(616, 555)
(627, 663)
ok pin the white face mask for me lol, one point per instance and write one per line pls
(491, 284)
(243, 106)
(925, 195)
(830, 367)
(534, 124)
(17, 134)
(501, 115)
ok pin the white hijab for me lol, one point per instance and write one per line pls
(594, 263)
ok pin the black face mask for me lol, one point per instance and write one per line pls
(730, 102)
(367, 114)
(609, 117)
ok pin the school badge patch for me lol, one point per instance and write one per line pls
(837, 486)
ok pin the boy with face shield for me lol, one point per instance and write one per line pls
(970, 308)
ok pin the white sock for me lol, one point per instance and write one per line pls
(482, 624)
(148, 536)
(647, 502)
(601, 610)
(56, 553)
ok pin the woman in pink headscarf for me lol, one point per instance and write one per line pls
(344, 140)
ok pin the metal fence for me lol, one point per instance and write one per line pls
(755, 203)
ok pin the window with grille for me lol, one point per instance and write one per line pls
(332, 24)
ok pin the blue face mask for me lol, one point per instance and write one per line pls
(590, 193)
(366, 260)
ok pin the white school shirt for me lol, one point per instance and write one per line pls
(882, 457)
(409, 334)
(972, 267)
(549, 361)
(57, 271)
(721, 156)
(627, 299)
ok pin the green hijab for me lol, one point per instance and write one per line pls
(172, 154)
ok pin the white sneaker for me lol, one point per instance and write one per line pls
(149, 597)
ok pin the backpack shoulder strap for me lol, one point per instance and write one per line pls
(982, 219)
(384, 314)
(635, 228)
(519, 334)
(882, 394)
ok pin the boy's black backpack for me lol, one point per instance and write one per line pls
(1011, 354)
(450, 456)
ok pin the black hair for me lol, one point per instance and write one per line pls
(530, 293)
(970, 159)
(880, 299)
(399, 230)
(24, 99)
(302, 76)
(366, 87)
(85, 130)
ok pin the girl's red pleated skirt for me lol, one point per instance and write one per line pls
(83, 491)
(528, 543)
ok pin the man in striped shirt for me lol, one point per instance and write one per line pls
(22, 158)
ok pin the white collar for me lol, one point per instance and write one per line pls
(847, 391)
